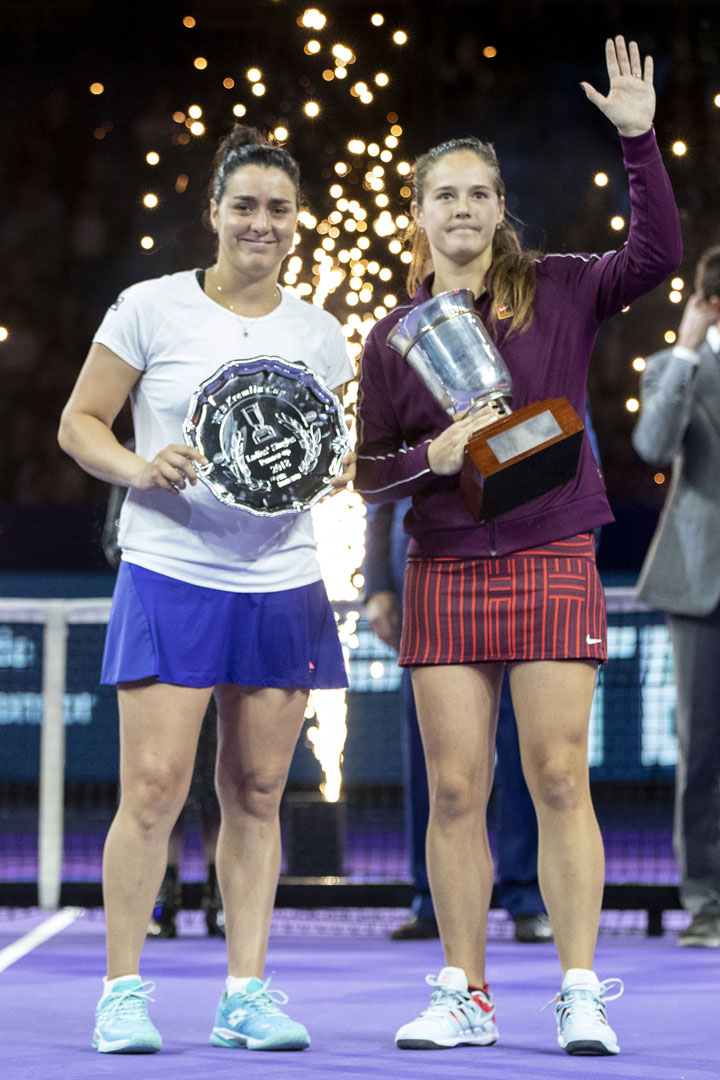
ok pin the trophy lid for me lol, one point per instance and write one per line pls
(425, 316)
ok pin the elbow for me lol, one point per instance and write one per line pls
(63, 434)
(66, 433)
(651, 455)
(372, 498)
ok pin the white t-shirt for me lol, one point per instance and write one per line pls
(177, 337)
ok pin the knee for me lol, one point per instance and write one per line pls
(257, 794)
(454, 797)
(155, 796)
(560, 784)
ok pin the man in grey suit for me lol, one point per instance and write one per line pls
(680, 422)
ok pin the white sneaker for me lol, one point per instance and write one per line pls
(580, 1013)
(455, 1016)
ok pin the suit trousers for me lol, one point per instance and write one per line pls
(696, 834)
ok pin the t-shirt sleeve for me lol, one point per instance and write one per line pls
(124, 329)
(339, 367)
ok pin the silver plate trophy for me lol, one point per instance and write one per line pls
(522, 454)
(273, 433)
(445, 341)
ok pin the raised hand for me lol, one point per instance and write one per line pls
(698, 317)
(630, 102)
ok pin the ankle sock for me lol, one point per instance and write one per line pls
(109, 984)
(233, 985)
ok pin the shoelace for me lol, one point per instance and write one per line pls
(266, 1001)
(442, 998)
(130, 1003)
(585, 1000)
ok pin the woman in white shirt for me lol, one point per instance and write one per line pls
(209, 598)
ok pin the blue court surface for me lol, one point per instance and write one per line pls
(352, 987)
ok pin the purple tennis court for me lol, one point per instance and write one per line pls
(353, 988)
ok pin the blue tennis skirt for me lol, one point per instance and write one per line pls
(190, 635)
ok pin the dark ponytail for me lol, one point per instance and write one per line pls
(246, 146)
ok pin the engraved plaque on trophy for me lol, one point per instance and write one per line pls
(523, 454)
(273, 433)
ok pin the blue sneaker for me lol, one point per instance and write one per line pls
(253, 1021)
(122, 1024)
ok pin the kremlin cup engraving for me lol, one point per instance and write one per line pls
(445, 341)
(274, 435)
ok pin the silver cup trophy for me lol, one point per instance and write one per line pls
(523, 454)
(273, 433)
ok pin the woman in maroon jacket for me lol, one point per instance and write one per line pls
(523, 589)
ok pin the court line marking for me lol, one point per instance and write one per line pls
(38, 935)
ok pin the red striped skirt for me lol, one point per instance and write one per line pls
(544, 604)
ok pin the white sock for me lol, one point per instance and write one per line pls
(109, 984)
(233, 985)
(585, 977)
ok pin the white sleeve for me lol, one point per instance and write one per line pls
(339, 367)
(124, 328)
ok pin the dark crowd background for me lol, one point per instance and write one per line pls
(73, 172)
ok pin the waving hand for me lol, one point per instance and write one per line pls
(630, 102)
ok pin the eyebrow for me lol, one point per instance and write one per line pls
(253, 199)
(473, 187)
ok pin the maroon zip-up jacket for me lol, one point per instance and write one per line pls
(398, 417)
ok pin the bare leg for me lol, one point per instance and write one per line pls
(552, 702)
(257, 732)
(159, 727)
(176, 841)
(457, 710)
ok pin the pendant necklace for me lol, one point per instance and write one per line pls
(226, 303)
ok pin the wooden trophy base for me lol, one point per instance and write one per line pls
(521, 456)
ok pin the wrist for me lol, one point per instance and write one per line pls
(686, 352)
(633, 131)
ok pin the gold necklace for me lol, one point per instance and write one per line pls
(270, 306)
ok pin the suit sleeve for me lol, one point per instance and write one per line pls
(666, 398)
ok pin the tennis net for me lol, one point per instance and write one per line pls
(58, 770)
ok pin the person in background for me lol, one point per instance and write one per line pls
(679, 422)
(517, 886)
(522, 590)
(209, 600)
